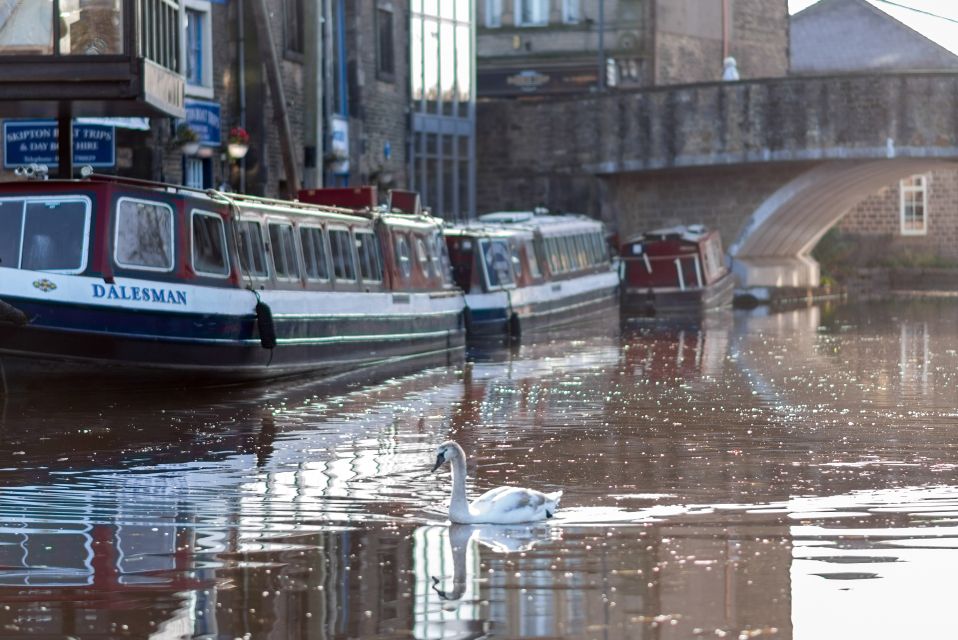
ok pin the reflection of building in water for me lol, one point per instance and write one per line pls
(915, 361)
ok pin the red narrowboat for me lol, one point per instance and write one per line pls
(679, 270)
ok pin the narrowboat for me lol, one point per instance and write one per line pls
(675, 271)
(125, 278)
(527, 271)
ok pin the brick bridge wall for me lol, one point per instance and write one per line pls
(704, 152)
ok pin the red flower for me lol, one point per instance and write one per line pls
(238, 135)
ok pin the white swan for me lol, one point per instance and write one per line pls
(502, 505)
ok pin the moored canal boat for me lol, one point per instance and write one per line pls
(675, 271)
(124, 278)
(524, 271)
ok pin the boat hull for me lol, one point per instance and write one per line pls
(217, 337)
(542, 307)
(638, 302)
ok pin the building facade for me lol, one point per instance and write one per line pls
(913, 222)
(536, 47)
(351, 109)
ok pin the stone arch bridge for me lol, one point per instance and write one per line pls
(772, 163)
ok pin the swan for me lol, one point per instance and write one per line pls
(502, 505)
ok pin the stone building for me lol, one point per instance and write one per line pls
(916, 220)
(349, 112)
(535, 47)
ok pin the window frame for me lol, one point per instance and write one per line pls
(283, 222)
(374, 243)
(493, 14)
(537, 6)
(85, 250)
(116, 234)
(904, 192)
(482, 244)
(267, 262)
(204, 7)
(292, 53)
(326, 252)
(386, 75)
(571, 11)
(226, 252)
(423, 258)
(403, 261)
(352, 253)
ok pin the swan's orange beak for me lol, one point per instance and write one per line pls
(439, 461)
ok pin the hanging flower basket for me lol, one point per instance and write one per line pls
(187, 139)
(237, 144)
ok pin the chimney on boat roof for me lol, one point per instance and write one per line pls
(405, 202)
(346, 197)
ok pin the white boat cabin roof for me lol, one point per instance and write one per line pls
(547, 224)
(686, 233)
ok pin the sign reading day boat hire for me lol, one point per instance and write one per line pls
(35, 142)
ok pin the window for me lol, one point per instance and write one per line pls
(252, 250)
(914, 206)
(516, 261)
(497, 262)
(403, 260)
(144, 235)
(370, 264)
(440, 257)
(87, 32)
(44, 235)
(283, 243)
(534, 269)
(344, 264)
(293, 27)
(493, 13)
(209, 244)
(198, 48)
(532, 13)
(570, 11)
(314, 253)
(423, 256)
(385, 50)
(193, 172)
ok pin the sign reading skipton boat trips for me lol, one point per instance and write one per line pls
(35, 142)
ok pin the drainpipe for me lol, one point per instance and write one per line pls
(601, 60)
(241, 84)
(313, 147)
(280, 112)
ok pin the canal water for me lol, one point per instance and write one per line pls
(782, 475)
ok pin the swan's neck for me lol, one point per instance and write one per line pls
(458, 503)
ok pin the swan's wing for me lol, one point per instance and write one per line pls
(509, 503)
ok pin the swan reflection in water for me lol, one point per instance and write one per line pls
(441, 603)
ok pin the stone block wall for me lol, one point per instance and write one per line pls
(878, 218)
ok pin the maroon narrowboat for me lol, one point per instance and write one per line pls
(675, 271)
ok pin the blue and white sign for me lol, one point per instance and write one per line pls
(35, 141)
(204, 118)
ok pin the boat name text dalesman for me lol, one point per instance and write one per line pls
(143, 294)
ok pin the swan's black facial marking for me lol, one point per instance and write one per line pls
(440, 458)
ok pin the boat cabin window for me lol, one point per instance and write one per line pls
(423, 256)
(516, 260)
(252, 250)
(209, 244)
(370, 263)
(283, 244)
(531, 259)
(314, 253)
(144, 235)
(440, 258)
(403, 261)
(344, 264)
(497, 262)
(44, 234)
(552, 253)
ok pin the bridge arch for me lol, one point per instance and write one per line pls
(774, 246)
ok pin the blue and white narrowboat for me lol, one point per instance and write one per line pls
(526, 271)
(147, 281)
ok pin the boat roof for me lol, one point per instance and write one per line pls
(686, 233)
(546, 223)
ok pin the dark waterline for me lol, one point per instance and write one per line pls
(781, 475)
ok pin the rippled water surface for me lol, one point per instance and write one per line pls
(784, 475)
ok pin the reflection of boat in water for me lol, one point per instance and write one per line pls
(119, 279)
(524, 272)
(675, 271)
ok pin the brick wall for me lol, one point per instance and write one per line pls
(878, 217)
